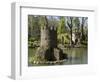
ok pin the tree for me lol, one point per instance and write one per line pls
(77, 23)
(61, 31)
(70, 25)
(83, 23)
(33, 26)
(30, 24)
(61, 28)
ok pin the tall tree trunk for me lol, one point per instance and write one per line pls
(71, 36)
(82, 30)
(70, 25)
(31, 27)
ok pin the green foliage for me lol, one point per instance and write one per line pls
(32, 39)
(61, 28)
(76, 24)
(63, 38)
(43, 22)
(33, 42)
(65, 27)
(33, 22)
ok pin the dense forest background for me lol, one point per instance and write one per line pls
(71, 31)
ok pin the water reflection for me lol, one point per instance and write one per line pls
(75, 56)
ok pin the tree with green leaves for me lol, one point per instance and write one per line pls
(83, 22)
(61, 28)
(77, 23)
(70, 25)
(61, 31)
(33, 26)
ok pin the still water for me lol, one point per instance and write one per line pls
(75, 56)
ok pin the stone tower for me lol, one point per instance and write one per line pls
(48, 50)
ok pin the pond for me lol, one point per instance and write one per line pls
(75, 56)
